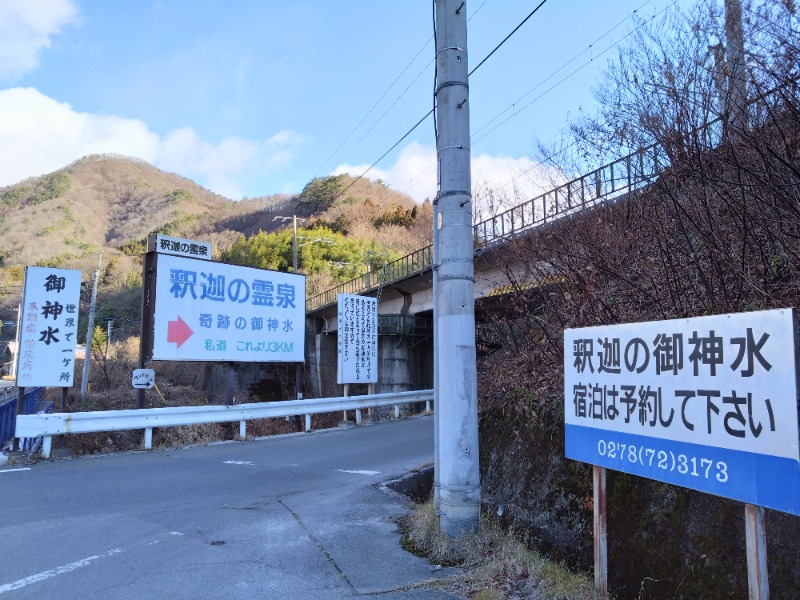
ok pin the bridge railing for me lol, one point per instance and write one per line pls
(609, 182)
(410, 264)
(48, 425)
(602, 185)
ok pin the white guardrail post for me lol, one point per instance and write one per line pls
(48, 425)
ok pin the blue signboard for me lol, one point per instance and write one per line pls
(708, 403)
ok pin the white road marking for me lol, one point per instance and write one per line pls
(175, 533)
(15, 470)
(21, 583)
(359, 472)
(237, 462)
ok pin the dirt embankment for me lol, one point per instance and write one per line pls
(718, 233)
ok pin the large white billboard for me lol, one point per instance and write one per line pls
(708, 403)
(214, 311)
(358, 339)
(48, 327)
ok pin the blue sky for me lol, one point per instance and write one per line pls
(255, 97)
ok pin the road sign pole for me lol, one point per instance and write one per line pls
(600, 531)
(20, 410)
(87, 360)
(146, 320)
(756, 538)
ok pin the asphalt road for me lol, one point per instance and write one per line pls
(295, 516)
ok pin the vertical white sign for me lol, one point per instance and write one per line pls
(358, 339)
(48, 327)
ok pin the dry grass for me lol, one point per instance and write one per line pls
(497, 563)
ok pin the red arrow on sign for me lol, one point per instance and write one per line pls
(178, 331)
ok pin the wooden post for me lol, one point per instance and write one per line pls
(756, 537)
(370, 391)
(230, 384)
(600, 531)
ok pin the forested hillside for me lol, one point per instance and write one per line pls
(109, 204)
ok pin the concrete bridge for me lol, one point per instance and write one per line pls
(404, 287)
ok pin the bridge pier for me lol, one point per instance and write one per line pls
(405, 359)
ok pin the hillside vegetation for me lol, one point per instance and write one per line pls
(718, 232)
(109, 204)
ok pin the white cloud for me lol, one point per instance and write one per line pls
(39, 135)
(413, 173)
(26, 27)
(510, 180)
(223, 167)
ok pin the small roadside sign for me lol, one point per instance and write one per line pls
(165, 244)
(143, 379)
(48, 327)
(358, 339)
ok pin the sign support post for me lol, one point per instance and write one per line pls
(756, 537)
(20, 410)
(346, 395)
(600, 530)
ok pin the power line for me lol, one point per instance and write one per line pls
(538, 85)
(505, 39)
(378, 101)
(588, 48)
(366, 133)
(397, 143)
(551, 157)
(374, 106)
(569, 75)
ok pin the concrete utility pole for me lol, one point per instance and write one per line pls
(736, 98)
(90, 330)
(459, 481)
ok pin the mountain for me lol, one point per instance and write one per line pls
(110, 203)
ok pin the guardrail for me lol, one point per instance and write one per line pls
(48, 425)
(32, 404)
